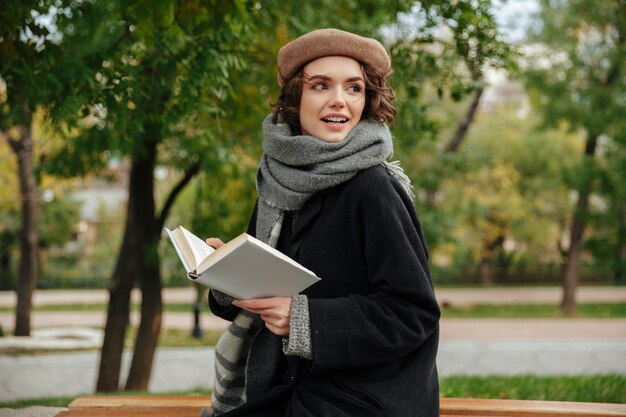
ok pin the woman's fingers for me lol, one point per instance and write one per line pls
(215, 242)
(273, 311)
(260, 304)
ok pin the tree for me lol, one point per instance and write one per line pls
(23, 145)
(30, 82)
(577, 74)
(158, 75)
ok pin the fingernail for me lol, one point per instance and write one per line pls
(236, 302)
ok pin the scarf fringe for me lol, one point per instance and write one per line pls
(395, 170)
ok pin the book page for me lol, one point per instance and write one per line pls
(179, 250)
(199, 249)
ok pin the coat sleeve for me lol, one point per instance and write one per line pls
(399, 312)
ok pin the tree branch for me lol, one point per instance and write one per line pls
(169, 202)
(462, 128)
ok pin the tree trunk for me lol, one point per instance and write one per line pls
(136, 261)
(150, 281)
(486, 270)
(572, 266)
(490, 249)
(23, 148)
(148, 333)
(117, 320)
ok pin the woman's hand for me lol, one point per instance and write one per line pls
(273, 311)
(215, 242)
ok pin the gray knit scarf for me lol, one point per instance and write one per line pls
(292, 170)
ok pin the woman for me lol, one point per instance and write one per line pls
(362, 341)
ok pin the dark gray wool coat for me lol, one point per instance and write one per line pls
(374, 316)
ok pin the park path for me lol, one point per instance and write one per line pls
(451, 329)
(451, 296)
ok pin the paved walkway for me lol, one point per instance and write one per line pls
(452, 329)
(452, 296)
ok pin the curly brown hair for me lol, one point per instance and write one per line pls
(379, 97)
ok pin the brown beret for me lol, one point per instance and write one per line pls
(326, 42)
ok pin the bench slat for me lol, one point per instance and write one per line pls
(132, 412)
(137, 406)
(175, 406)
(527, 408)
(142, 401)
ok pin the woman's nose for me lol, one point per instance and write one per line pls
(338, 99)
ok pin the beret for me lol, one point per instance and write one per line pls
(326, 42)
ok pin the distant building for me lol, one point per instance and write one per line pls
(103, 201)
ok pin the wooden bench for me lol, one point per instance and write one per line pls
(191, 406)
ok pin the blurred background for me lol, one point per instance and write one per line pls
(119, 118)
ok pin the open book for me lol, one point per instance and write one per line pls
(244, 268)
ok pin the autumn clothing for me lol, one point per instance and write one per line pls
(373, 316)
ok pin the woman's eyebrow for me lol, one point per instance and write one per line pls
(327, 78)
(320, 77)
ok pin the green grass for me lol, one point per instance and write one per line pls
(181, 338)
(65, 401)
(599, 389)
(609, 310)
(44, 402)
(602, 389)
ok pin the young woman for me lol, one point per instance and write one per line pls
(363, 340)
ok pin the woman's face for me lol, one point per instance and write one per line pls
(333, 97)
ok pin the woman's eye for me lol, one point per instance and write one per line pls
(354, 89)
(319, 86)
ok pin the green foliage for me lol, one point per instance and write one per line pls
(38, 69)
(577, 72)
(157, 71)
(58, 218)
(442, 49)
(197, 78)
(58, 212)
(511, 185)
(607, 242)
(440, 53)
(502, 194)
